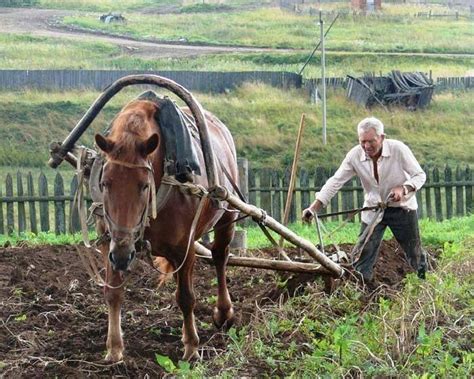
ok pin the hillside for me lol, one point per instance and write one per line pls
(263, 120)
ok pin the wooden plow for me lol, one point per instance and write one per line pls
(322, 264)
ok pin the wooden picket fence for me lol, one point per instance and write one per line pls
(29, 205)
(447, 192)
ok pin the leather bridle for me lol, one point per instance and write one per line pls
(138, 230)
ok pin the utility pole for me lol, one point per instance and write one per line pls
(323, 75)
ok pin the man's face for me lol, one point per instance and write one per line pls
(371, 142)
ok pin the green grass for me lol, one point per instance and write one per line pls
(433, 233)
(16, 52)
(272, 27)
(28, 52)
(263, 120)
(104, 5)
(337, 64)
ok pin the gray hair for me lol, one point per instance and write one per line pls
(370, 123)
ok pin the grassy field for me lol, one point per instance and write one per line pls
(272, 27)
(263, 121)
(15, 52)
(130, 5)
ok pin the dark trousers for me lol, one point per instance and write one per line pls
(404, 226)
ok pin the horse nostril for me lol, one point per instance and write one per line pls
(111, 258)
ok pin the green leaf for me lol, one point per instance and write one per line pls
(165, 362)
(21, 318)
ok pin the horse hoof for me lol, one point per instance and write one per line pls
(223, 319)
(114, 356)
(191, 353)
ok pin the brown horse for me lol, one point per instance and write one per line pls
(134, 160)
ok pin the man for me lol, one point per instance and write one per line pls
(388, 170)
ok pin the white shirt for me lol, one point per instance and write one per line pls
(396, 166)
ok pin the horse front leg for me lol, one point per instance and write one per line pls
(114, 300)
(186, 301)
(223, 312)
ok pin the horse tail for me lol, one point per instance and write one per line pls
(165, 268)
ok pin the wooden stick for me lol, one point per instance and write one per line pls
(267, 264)
(294, 167)
(221, 193)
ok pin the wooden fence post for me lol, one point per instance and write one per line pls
(2, 228)
(276, 198)
(74, 224)
(31, 203)
(359, 196)
(59, 205)
(44, 204)
(437, 195)
(347, 196)
(265, 191)
(21, 204)
(459, 192)
(304, 184)
(468, 177)
(243, 167)
(286, 185)
(448, 179)
(10, 211)
(252, 184)
(429, 210)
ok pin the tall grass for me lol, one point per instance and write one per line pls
(262, 119)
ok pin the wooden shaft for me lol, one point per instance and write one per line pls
(66, 146)
(267, 264)
(222, 194)
(294, 166)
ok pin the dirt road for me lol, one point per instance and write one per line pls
(46, 23)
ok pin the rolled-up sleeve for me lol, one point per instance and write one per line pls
(344, 173)
(417, 176)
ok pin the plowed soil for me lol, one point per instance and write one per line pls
(53, 320)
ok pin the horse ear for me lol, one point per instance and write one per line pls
(150, 144)
(103, 143)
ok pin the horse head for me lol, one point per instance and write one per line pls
(127, 179)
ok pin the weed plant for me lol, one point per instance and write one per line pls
(421, 330)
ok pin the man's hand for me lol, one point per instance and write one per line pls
(396, 194)
(307, 215)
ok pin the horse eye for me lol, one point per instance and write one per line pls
(104, 184)
(145, 187)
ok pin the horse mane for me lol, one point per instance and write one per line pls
(134, 125)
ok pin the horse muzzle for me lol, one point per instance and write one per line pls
(121, 255)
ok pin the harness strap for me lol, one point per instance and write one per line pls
(87, 258)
